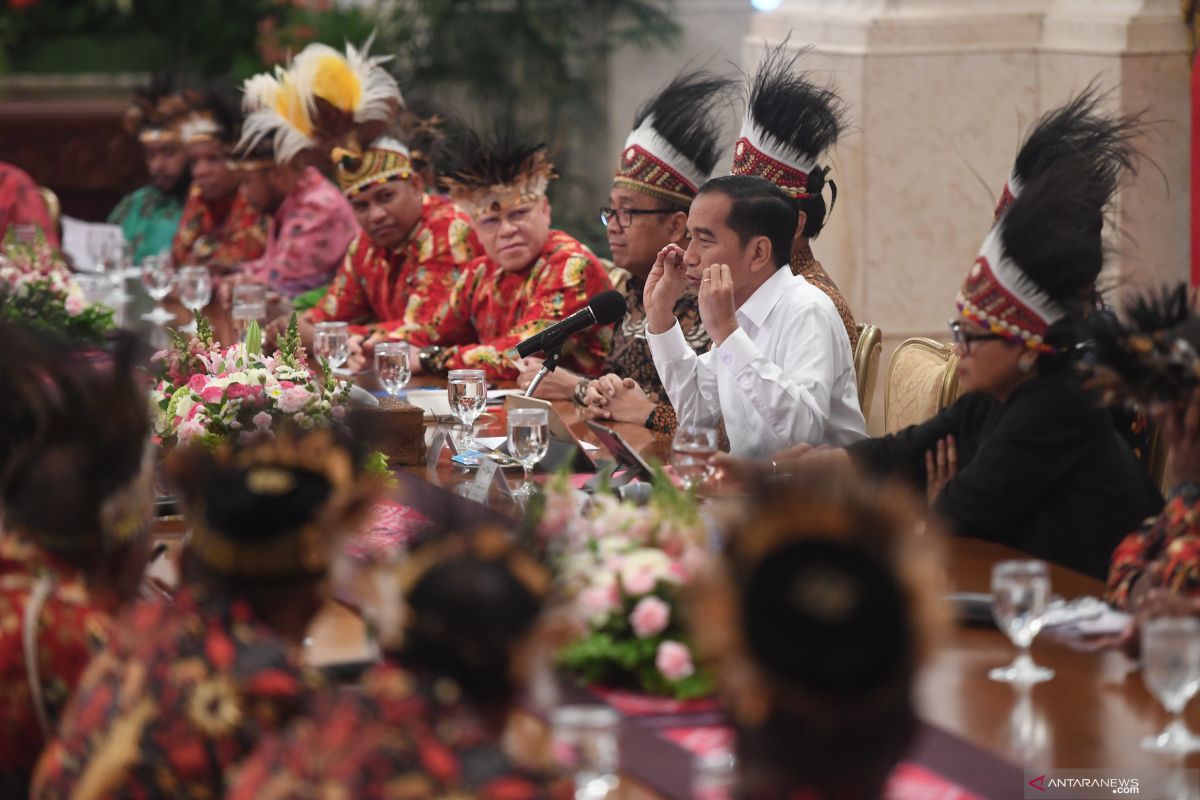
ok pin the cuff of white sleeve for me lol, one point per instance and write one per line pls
(737, 351)
(670, 345)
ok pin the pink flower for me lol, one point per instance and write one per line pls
(294, 399)
(75, 304)
(674, 661)
(650, 617)
(595, 602)
(286, 384)
(236, 390)
(189, 430)
(212, 394)
(339, 412)
(197, 382)
(261, 420)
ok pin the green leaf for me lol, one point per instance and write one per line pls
(253, 338)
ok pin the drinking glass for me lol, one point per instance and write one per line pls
(331, 341)
(1171, 671)
(467, 392)
(249, 305)
(392, 367)
(528, 441)
(1020, 592)
(194, 286)
(158, 275)
(714, 775)
(585, 742)
(692, 452)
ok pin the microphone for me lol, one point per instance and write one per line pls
(603, 309)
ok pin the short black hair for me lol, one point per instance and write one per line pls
(760, 208)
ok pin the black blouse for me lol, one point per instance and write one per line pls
(1044, 472)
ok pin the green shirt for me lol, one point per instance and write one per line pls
(148, 217)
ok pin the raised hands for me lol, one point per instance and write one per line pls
(664, 286)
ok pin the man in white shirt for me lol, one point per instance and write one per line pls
(780, 371)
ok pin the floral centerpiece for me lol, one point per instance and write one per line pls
(37, 289)
(623, 567)
(211, 393)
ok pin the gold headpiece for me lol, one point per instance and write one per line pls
(498, 174)
(385, 159)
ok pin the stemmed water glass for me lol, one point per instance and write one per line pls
(158, 275)
(692, 451)
(466, 390)
(392, 367)
(528, 441)
(194, 287)
(331, 341)
(249, 305)
(1171, 671)
(1020, 593)
(584, 741)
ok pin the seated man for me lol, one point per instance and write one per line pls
(150, 216)
(531, 277)
(218, 229)
(670, 151)
(21, 204)
(780, 371)
(186, 688)
(411, 249)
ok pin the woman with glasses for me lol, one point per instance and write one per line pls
(1025, 456)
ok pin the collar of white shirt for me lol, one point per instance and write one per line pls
(763, 301)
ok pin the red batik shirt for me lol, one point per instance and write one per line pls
(379, 289)
(220, 234)
(1164, 553)
(403, 736)
(491, 310)
(184, 692)
(22, 204)
(69, 631)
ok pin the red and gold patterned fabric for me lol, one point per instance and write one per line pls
(183, 693)
(1163, 554)
(379, 289)
(404, 736)
(752, 158)
(21, 204)
(642, 170)
(220, 234)
(70, 629)
(490, 311)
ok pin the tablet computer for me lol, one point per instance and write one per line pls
(564, 447)
(631, 463)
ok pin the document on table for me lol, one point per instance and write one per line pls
(86, 243)
(492, 442)
(433, 402)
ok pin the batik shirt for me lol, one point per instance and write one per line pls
(21, 204)
(70, 628)
(630, 355)
(184, 691)
(379, 289)
(148, 218)
(221, 234)
(803, 263)
(402, 737)
(308, 238)
(491, 310)
(1164, 552)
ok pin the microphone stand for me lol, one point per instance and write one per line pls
(552, 357)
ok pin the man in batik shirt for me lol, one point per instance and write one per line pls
(185, 689)
(77, 502)
(429, 720)
(219, 229)
(531, 277)
(150, 216)
(412, 248)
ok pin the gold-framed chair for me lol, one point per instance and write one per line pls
(53, 206)
(922, 379)
(866, 365)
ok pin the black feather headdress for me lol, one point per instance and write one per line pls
(493, 171)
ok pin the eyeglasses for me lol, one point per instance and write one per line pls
(963, 337)
(625, 215)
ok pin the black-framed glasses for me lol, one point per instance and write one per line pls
(964, 337)
(625, 215)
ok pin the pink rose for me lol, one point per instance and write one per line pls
(294, 399)
(339, 412)
(650, 617)
(261, 420)
(236, 390)
(197, 382)
(189, 430)
(286, 384)
(595, 602)
(212, 394)
(674, 661)
(75, 305)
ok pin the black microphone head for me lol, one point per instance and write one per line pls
(608, 307)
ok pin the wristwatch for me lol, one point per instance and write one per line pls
(427, 356)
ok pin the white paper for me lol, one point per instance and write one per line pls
(435, 404)
(85, 243)
(493, 442)
(499, 394)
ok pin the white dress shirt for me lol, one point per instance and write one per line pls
(785, 376)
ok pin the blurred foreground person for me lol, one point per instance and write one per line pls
(21, 205)
(816, 620)
(428, 721)
(185, 689)
(77, 499)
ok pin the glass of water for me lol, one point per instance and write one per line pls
(692, 452)
(392, 367)
(249, 305)
(331, 342)
(1020, 592)
(528, 441)
(1171, 671)
(585, 743)
(158, 276)
(467, 391)
(193, 284)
